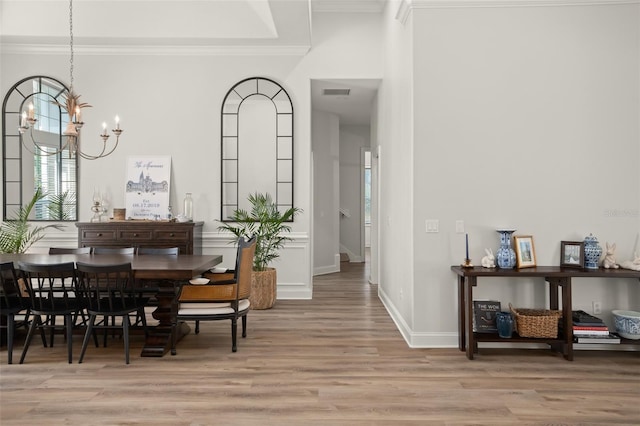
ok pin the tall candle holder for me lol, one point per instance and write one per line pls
(467, 261)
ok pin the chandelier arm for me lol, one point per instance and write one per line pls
(102, 153)
(41, 152)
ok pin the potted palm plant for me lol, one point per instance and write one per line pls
(268, 225)
(17, 235)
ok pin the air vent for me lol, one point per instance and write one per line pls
(336, 92)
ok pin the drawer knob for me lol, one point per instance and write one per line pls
(172, 234)
(135, 235)
(99, 234)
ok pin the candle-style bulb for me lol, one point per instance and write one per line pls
(104, 128)
(117, 122)
(31, 111)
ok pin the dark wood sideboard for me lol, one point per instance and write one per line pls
(141, 233)
(559, 280)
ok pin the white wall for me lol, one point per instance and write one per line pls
(526, 117)
(394, 163)
(326, 189)
(353, 139)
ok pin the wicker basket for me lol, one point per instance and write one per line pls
(537, 323)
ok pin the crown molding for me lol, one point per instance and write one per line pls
(406, 6)
(108, 50)
(348, 6)
(447, 4)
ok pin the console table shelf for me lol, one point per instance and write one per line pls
(558, 279)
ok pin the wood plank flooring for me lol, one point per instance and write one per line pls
(335, 360)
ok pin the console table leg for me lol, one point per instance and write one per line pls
(567, 320)
(469, 283)
(461, 315)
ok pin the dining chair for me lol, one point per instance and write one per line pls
(108, 293)
(218, 301)
(70, 250)
(53, 292)
(12, 303)
(171, 251)
(114, 250)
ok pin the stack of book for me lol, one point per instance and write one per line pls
(590, 329)
(484, 316)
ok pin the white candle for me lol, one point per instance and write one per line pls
(23, 123)
(117, 123)
(78, 115)
(104, 128)
(32, 113)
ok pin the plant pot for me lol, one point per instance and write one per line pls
(263, 288)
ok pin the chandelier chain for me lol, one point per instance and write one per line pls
(71, 44)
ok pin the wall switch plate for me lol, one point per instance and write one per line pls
(460, 226)
(433, 225)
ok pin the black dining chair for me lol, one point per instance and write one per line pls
(12, 303)
(53, 291)
(70, 250)
(170, 251)
(109, 292)
(114, 250)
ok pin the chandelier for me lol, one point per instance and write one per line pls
(74, 108)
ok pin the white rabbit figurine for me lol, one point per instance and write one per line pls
(610, 257)
(632, 264)
(488, 261)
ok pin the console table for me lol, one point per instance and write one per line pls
(557, 277)
(142, 233)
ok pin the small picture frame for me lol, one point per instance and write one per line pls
(525, 251)
(572, 254)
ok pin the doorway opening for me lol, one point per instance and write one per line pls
(343, 135)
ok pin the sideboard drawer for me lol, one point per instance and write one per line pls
(99, 234)
(176, 234)
(135, 234)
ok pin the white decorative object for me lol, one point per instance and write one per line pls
(632, 264)
(488, 261)
(610, 257)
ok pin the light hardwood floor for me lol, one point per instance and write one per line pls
(335, 360)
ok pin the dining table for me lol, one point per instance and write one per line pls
(165, 272)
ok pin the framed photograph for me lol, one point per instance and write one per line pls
(525, 251)
(572, 254)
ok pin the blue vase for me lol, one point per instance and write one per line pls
(504, 323)
(592, 252)
(506, 256)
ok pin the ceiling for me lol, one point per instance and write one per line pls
(185, 27)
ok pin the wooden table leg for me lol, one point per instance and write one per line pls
(567, 320)
(469, 283)
(461, 314)
(158, 341)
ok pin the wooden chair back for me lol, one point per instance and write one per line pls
(70, 250)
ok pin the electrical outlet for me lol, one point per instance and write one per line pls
(597, 307)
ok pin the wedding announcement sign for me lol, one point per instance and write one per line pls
(147, 189)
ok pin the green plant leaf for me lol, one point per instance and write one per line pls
(266, 223)
(16, 235)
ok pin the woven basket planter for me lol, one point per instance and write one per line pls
(263, 289)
